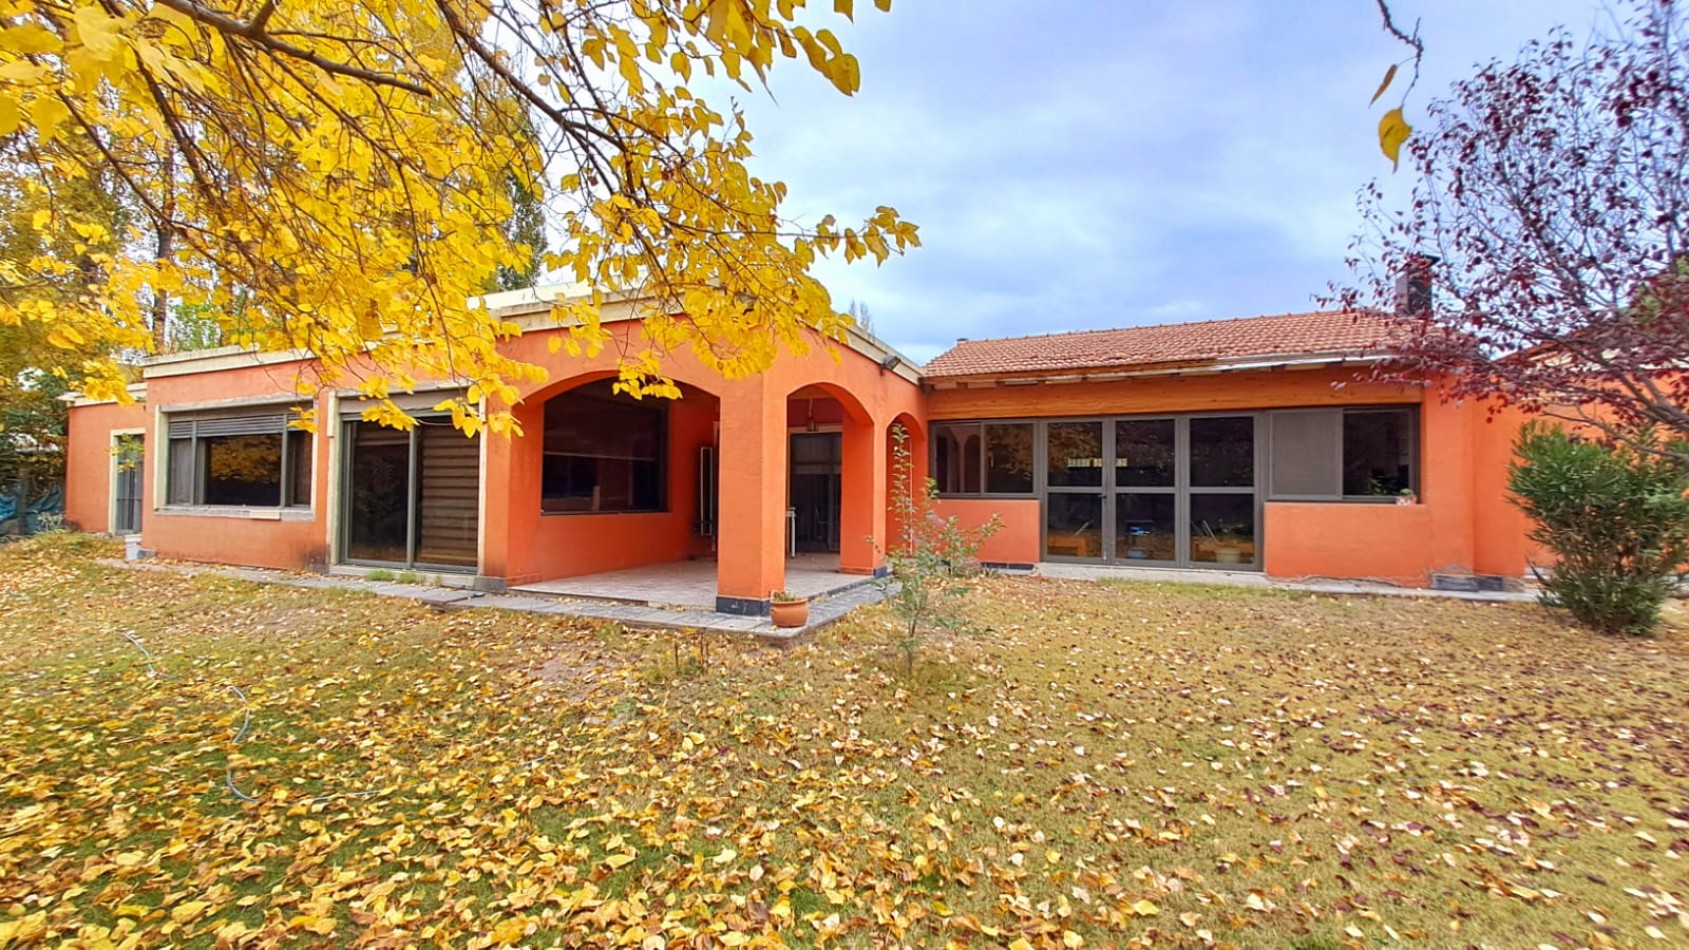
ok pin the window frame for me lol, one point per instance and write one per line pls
(979, 426)
(1338, 415)
(662, 460)
(265, 421)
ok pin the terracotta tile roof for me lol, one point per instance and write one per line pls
(1323, 333)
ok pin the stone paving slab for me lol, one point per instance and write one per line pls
(823, 613)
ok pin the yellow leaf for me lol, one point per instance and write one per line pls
(192, 910)
(100, 34)
(845, 7)
(1393, 130)
(1020, 944)
(23, 929)
(29, 38)
(127, 859)
(619, 860)
(1071, 940)
(1145, 908)
(726, 857)
(884, 5)
(509, 930)
(321, 926)
(1389, 77)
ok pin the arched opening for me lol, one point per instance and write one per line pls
(603, 486)
(834, 483)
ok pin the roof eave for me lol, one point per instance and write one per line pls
(1202, 368)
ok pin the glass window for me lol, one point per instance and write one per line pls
(1223, 529)
(238, 460)
(603, 451)
(1143, 453)
(299, 461)
(956, 458)
(1222, 452)
(180, 478)
(1144, 527)
(1378, 451)
(1073, 525)
(378, 502)
(1075, 456)
(1008, 458)
(242, 470)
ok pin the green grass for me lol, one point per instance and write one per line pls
(1171, 763)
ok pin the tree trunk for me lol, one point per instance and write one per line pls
(165, 239)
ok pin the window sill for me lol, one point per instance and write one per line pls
(613, 514)
(243, 514)
(986, 496)
(1387, 501)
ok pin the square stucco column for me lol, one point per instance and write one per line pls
(862, 502)
(751, 559)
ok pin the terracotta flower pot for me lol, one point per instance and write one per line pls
(790, 613)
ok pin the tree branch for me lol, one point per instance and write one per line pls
(253, 32)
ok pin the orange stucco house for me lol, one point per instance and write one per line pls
(1252, 444)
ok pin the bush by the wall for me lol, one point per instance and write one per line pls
(1616, 518)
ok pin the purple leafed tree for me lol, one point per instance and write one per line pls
(1550, 222)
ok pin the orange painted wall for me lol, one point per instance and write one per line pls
(1016, 542)
(297, 540)
(88, 482)
(754, 414)
(1463, 522)
(1380, 542)
(566, 545)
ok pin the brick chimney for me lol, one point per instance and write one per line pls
(1413, 285)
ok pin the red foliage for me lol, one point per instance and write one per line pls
(1550, 213)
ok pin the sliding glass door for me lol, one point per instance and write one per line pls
(412, 499)
(1182, 492)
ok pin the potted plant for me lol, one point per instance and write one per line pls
(1407, 497)
(789, 609)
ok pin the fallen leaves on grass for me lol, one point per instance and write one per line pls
(1106, 765)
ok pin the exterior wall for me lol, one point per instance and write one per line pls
(1017, 542)
(88, 480)
(545, 546)
(289, 539)
(1463, 522)
(754, 415)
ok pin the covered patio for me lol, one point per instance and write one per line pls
(691, 583)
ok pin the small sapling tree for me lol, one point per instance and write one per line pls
(934, 559)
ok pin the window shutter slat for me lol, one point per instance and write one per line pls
(1306, 459)
(266, 424)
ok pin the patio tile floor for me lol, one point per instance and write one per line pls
(690, 583)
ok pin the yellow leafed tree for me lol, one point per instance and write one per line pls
(335, 176)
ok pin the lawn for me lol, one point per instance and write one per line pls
(1099, 765)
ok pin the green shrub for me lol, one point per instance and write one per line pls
(1616, 519)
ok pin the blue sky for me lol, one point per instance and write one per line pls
(1094, 163)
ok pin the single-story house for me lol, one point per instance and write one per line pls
(1254, 444)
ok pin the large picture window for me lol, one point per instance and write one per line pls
(992, 458)
(238, 460)
(1358, 454)
(603, 452)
